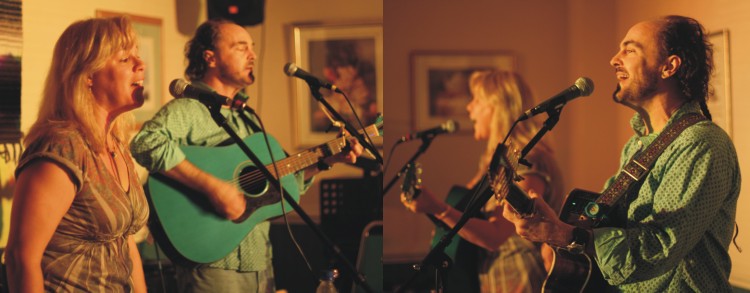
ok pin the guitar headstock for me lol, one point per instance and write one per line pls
(412, 183)
(376, 129)
(503, 169)
(373, 130)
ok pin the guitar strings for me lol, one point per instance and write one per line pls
(256, 176)
(304, 158)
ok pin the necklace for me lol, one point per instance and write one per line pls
(113, 160)
(111, 149)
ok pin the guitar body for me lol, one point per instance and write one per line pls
(574, 272)
(184, 221)
(463, 275)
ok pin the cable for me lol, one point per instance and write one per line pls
(356, 117)
(161, 272)
(390, 155)
(281, 194)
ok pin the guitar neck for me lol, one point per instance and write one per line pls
(307, 158)
(519, 200)
(503, 174)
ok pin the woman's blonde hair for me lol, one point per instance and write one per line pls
(67, 102)
(508, 95)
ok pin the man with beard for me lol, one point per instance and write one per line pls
(676, 224)
(221, 59)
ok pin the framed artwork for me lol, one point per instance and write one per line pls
(720, 103)
(349, 56)
(440, 83)
(150, 50)
(11, 46)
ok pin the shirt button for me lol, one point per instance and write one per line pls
(640, 144)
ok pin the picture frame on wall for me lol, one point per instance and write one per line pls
(150, 46)
(440, 83)
(720, 102)
(349, 56)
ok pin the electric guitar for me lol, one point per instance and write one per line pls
(463, 275)
(569, 272)
(184, 222)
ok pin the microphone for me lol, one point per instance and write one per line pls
(449, 126)
(291, 69)
(583, 86)
(179, 88)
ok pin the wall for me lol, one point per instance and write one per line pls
(44, 21)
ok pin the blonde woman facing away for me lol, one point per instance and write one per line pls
(510, 264)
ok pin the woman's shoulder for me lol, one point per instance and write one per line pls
(61, 145)
(60, 136)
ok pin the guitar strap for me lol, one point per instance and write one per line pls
(635, 170)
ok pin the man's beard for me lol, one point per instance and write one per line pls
(236, 79)
(639, 90)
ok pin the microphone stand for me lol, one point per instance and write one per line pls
(315, 90)
(437, 258)
(214, 108)
(426, 141)
(553, 116)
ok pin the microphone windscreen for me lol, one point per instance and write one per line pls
(450, 126)
(290, 68)
(177, 87)
(585, 85)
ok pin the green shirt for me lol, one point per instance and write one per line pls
(188, 122)
(680, 223)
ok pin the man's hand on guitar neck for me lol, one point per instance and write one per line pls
(354, 151)
(542, 226)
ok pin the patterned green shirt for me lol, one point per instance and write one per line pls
(188, 122)
(680, 224)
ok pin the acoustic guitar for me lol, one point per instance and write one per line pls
(569, 272)
(184, 222)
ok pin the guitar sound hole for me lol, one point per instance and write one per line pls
(252, 181)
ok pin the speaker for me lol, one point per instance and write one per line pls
(242, 12)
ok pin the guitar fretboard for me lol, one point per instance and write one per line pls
(307, 158)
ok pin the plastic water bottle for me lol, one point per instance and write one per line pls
(326, 282)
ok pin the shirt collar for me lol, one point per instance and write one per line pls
(239, 96)
(640, 128)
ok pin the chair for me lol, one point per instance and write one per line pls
(370, 257)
